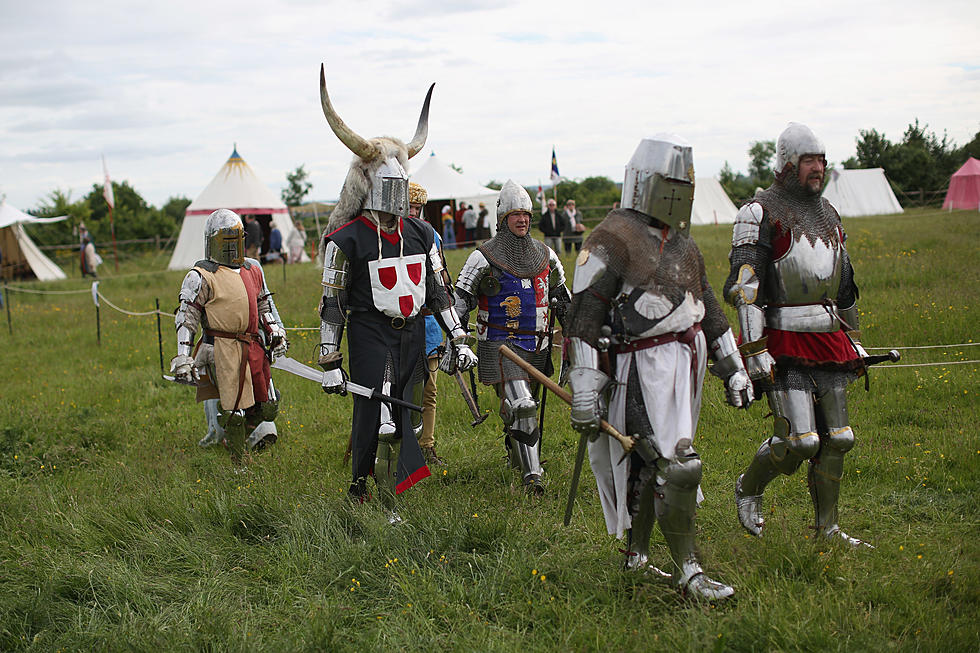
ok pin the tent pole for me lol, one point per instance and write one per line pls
(6, 293)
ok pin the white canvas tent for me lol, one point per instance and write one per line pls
(235, 187)
(711, 203)
(442, 183)
(20, 255)
(859, 192)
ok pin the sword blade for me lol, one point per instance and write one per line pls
(287, 364)
(576, 473)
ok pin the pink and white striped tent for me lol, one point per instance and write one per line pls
(964, 187)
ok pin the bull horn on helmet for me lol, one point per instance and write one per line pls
(422, 131)
(356, 144)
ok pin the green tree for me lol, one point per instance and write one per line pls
(970, 149)
(760, 161)
(175, 207)
(873, 149)
(297, 186)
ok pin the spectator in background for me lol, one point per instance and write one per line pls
(460, 230)
(483, 227)
(552, 224)
(90, 259)
(253, 236)
(296, 242)
(275, 245)
(470, 222)
(448, 228)
(574, 226)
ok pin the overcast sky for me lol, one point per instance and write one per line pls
(165, 90)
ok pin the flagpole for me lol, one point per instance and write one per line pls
(112, 229)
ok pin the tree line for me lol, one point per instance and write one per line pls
(919, 164)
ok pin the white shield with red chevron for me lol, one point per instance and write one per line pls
(398, 285)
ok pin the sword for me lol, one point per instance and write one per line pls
(470, 401)
(603, 346)
(604, 426)
(287, 364)
(891, 357)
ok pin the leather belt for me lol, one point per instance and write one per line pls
(683, 337)
(245, 339)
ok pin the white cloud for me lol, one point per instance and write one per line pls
(165, 91)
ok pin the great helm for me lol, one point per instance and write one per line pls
(795, 141)
(512, 198)
(660, 180)
(224, 238)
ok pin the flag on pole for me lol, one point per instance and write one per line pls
(555, 177)
(107, 187)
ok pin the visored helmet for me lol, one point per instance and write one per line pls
(389, 188)
(660, 180)
(512, 198)
(224, 238)
(795, 141)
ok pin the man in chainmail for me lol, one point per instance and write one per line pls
(514, 282)
(793, 287)
(642, 322)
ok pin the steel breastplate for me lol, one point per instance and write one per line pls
(808, 273)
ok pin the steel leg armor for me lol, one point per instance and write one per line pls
(827, 468)
(794, 440)
(671, 499)
(519, 411)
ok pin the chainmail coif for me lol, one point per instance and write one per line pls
(524, 257)
(792, 207)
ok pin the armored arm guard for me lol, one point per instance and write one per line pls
(437, 297)
(557, 292)
(594, 287)
(468, 283)
(188, 317)
(749, 257)
(587, 383)
(336, 277)
(269, 319)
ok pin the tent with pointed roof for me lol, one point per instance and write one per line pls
(21, 257)
(964, 187)
(235, 187)
(711, 203)
(860, 192)
(444, 184)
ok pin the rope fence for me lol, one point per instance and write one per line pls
(97, 295)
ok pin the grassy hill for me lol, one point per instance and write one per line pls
(118, 533)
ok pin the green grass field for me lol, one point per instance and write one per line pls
(118, 533)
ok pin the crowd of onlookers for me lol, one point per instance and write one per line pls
(563, 230)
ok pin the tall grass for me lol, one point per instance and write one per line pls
(118, 533)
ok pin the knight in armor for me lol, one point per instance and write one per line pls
(514, 282)
(642, 323)
(792, 285)
(265, 433)
(380, 270)
(225, 296)
(427, 389)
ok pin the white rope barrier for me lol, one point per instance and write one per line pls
(962, 344)
(125, 312)
(893, 365)
(47, 292)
